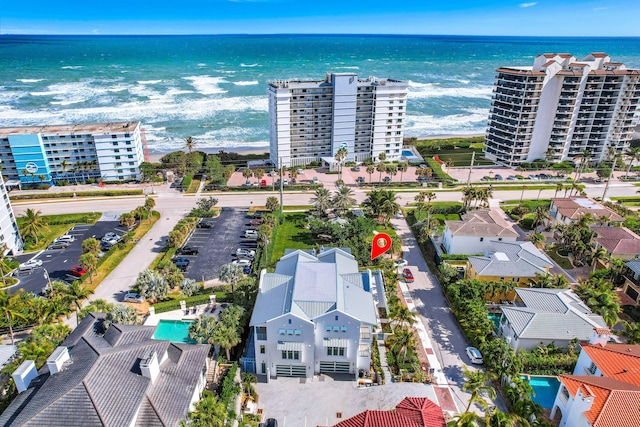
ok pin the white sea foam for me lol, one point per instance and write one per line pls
(345, 67)
(225, 71)
(202, 64)
(473, 122)
(250, 65)
(29, 80)
(72, 67)
(246, 83)
(431, 90)
(149, 82)
(207, 85)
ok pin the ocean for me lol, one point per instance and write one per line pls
(214, 88)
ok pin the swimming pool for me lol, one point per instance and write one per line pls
(544, 388)
(174, 331)
(407, 153)
(495, 318)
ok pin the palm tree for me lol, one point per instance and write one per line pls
(9, 307)
(632, 154)
(189, 143)
(382, 204)
(402, 168)
(341, 154)
(392, 171)
(476, 384)
(259, 173)
(540, 215)
(600, 298)
(599, 254)
(631, 332)
(537, 239)
(322, 201)
(343, 199)
(381, 167)
(202, 329)
(400, 315)
(78, 293)
(401, 342)
(33, 223)
(559, 187)
(227, 332)
(370, 170)
(247, 173)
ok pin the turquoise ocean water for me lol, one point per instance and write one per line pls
(214, 87)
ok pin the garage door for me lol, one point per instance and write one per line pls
(290, 371)
(632, 293)
(334, 367)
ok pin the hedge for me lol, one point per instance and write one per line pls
(171, 305)
(67, 194)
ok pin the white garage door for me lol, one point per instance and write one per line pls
(290, 371)
(334, 367)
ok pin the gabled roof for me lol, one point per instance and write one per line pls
(511, 259)
(618, 240)
(309, 286)
(102, 385)
(617, 361)
(410, 412)
(556, 314)
(574, 207)
(615, 403)
(483, 223)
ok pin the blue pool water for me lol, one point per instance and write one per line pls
(544, 388)
(407, 153)
(495, 318)
(174, 331)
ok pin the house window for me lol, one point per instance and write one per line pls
(591, 370)
(335, 351)
(499, 239)
(289, 331)
(262, 349)
(297, 332)
(336, 329)
(336, 317)
(289, 321)
(289, 354)
(328, 328)
(281, 331)
(482, 239)
(343, 329)
(261, 332)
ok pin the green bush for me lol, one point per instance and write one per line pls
(186, 181)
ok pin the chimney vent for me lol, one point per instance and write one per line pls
(25, 373)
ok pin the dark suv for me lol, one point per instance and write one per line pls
(188, 250)
(181, 262)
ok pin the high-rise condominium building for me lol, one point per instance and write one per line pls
(561, 109)
(312, 120)
(9, 234)
(48, 154)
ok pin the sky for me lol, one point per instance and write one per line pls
(446, 17)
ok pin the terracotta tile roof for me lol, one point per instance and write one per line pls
(618, 240)
(574, 207)
(411, 412)
(617, 361)
(484, 223)
(615, 403)
(602, 331)
(599, 54)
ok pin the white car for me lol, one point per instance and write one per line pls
(401, 263)
(32, 263)
(475, 355)
(66, 238)
(245, 252)
(109, 237)
(243, 262)
(251, 234)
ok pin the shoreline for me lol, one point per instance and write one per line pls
(154, 156)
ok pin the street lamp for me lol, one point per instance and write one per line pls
(46, 276)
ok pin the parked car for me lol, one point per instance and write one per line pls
(407, 275)
(105, 246)
(181, 262)
(511, 178)
(251, 234)
(475, 355)
(258, 214)
(77, 271)
(255, 221)
(110, 237)
(401, 263)
(32, 263)
(272, 422)
(205, 224)
(66, 238)
(300, 171)
(498, 177)
(356, 168)
(387, 179)
(245, 252)
(315, 180)
(242, 261)
(137, 298)
(59, 245)
(422, 166)
(188, 250)
(246, 269)
(360, 180)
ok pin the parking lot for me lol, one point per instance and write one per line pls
(217, 245)
(57, 262)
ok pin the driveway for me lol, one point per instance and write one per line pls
(57, 262)
(218, 244)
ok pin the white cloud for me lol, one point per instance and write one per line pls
(524, 5)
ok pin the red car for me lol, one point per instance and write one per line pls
(407, 275)
(77, 271)
(256, 221)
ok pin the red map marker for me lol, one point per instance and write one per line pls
(381, 243)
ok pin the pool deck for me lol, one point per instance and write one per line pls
(191, 313)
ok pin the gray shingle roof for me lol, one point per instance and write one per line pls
(511, 259)
(102, 384)
(310, 287)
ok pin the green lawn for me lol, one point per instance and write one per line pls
(292, 234)
(562, 261)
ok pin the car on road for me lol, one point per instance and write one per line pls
(59, 245)
(205, 224)
(401, 263)
(255, 221)
(474, 355)
(136, 298)
(188, 250)
(77, 271)
(407, 275)
(242, 262)
(32, 263)
(245, 252)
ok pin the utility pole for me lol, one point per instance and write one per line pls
(606, 187)
(473, 158)
(281, 184)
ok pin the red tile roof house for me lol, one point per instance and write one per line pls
(619, 242)
(604, 390)
(567, 210)
(410, 412)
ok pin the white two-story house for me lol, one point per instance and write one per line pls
(604, 389)
(476, 231)
(313, 315)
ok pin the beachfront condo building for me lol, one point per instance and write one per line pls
(311, 120)
(562, 109)
(9, 234)
(32, 155)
